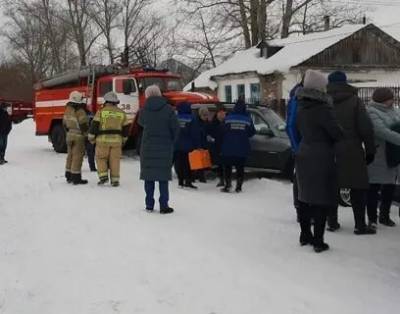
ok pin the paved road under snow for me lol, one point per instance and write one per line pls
(84, 250)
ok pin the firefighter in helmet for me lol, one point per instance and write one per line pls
(109, 131)
(76, 124)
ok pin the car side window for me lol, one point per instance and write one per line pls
(259, 122)
(105, 87)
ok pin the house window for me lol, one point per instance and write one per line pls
(241, 91)
(255, 93)
(228, 93)
(105, 87)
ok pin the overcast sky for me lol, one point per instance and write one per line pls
(386, 12)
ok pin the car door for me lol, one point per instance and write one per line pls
(266, 147)
(128, 95)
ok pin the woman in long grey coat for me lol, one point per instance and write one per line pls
(354, 151)
(315, 159)
(160, 130)
(382, 178)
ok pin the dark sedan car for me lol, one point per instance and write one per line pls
(270, 147)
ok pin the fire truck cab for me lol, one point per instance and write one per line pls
(52, 95)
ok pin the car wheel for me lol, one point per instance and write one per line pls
(344, 198)
(58, 139)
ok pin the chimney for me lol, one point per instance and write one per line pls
(192, 87)
(364, 20)
(327, 22)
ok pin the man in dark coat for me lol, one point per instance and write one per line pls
(355, 151)
(160, 131)
(188, 140)
(5, 129)
(238, 129)
(203, 123)
(315, 159)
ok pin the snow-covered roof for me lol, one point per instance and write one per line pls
(296, 50)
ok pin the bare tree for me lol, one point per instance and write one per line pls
(105, 13)
(82, 27)
(291, 8)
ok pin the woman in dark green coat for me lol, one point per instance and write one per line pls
(160, 131)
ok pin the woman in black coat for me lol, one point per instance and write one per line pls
(5, 129)
(160, 131)
(315, 159)
(355, 151)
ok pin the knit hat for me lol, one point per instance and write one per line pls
(152, 91)
(337, 76)
(315, 80)
(382, 94)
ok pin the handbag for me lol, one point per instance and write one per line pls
(199, 159)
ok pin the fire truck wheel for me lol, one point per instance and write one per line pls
(57, 138)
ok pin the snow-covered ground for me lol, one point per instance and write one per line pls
(91, 250)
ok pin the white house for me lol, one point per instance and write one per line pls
(368, 55)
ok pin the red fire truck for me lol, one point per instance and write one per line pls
(94, 82)
(20, 110)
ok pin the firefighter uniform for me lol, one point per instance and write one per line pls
(76, 124)
(109, 130)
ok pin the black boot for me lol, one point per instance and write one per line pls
(166, 210)
(190, 185)
(239, 184)
(220, 183)
(77, 179)
(364, 230)
(228, 180)
(320, 247)
(68, 176)
(102, 181)
(386, 221)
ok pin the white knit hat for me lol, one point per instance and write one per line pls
(315, 80)
(152, 90)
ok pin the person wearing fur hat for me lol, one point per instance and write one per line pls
(354, 152)
(382, 177)
(315, 158)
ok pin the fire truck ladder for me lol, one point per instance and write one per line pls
(91, 85)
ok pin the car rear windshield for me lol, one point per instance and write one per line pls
(165, 83)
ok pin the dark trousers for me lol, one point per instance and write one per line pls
(316, 213)
(296, 201)
(182, 167)
(359, 203)
(386, 199)
(149, 187)
(3, 146)
(239, 174)
(91, 152)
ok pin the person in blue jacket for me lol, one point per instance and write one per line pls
(238, 129)
(294, 135)
(188, 140)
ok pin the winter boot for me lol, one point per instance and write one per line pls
(166, 210)
(333, 226)
(320, 247)
(68, 176)
(373, 225)
(306, 239)
(239, 184)
(115, 184)
(102, 181)
(220, 183)
(77, 179)
(386, 221)
(364, 230)
(190, 185)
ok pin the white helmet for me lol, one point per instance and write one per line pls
(111, 98)
(76, 97)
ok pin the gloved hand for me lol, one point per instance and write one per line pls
(369, 158)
